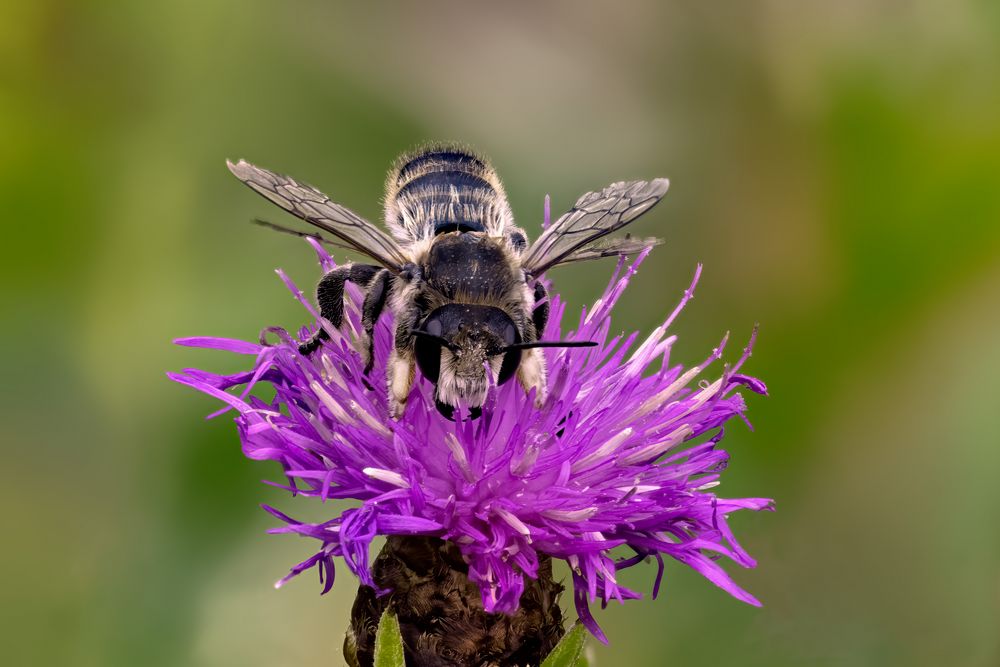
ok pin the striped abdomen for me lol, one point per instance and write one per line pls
(445, 189)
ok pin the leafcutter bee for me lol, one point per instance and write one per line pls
(458, 274)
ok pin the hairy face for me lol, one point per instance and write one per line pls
(463, 369)
(463, 349)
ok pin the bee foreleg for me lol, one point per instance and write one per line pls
(370, 312)
(540, 315)
(330, 295)
(400, 372)
(531, 375)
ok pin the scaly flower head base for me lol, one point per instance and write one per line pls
(624, 453)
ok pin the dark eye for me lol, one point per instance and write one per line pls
(511, 360)
(509, 335)
(428, 353)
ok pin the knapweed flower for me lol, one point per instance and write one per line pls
(618, 467)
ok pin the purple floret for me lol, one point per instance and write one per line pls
(623, 454)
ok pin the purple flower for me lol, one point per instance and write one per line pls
(624, 454)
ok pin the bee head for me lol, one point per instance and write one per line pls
(453, 347)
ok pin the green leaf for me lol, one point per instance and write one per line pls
(388, 642)
(567, 652)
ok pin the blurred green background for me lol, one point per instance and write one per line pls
(836, 166)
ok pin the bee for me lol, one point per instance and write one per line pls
(455, 270)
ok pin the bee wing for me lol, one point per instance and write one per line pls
(594, 216)
(311, 205)
(626, 245)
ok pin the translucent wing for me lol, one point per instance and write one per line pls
(311, 205)
(626, 245)
(594, 216)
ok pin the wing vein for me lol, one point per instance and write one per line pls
(309, 204)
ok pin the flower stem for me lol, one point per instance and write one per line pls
(441, 613)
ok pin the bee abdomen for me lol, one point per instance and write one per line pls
(439, 158)
(444, 189)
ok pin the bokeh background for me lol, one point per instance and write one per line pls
(836, 166)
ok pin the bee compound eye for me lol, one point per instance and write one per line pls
(428, 353)
(511, 360)
(509, 335)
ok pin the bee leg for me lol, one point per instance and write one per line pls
(330, 295)
(401, 368)
(370, 312)
(531, 375)
(399, 374)
(531, 371)
(540, 315)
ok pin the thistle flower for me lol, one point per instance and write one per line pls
(621, 458)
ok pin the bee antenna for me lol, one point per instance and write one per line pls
(295, 232)
(444, 342)
(552, 343)
(287, 230)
